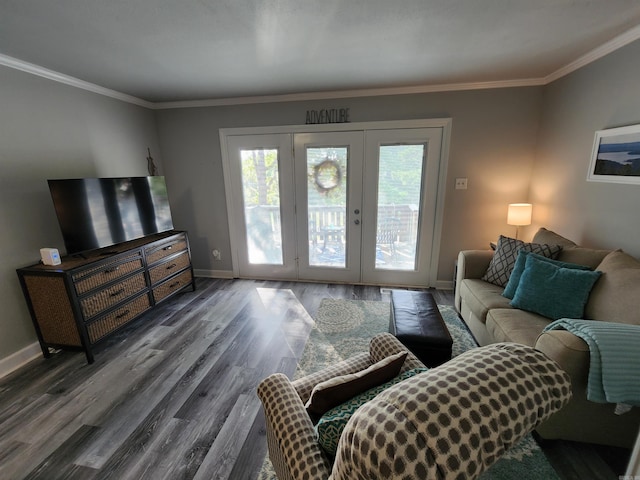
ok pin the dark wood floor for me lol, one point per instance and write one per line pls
(173, 396)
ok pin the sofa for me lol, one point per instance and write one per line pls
(613, 297)
(451, 421)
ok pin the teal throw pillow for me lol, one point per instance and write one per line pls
(330, 426)
(552, 291)
(518, 268)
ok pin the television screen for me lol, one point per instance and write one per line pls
(100, 212)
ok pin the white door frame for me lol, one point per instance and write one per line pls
(444, 123)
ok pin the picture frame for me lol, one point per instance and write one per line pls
(615, 157)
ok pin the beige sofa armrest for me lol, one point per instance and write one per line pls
(471, 264)
(568, 351)
(289, 430)
(582, 420)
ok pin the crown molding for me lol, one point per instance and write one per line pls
(620, 41)
(33, 69)
(364, 92)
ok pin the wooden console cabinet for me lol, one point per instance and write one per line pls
(86, 298)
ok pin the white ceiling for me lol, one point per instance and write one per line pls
(171, 50)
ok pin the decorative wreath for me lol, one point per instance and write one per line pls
(327, 175)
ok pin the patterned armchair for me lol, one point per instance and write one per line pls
(453, 421)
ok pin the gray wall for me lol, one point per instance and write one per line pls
(49, 130)
(492, 143)
(604, 94)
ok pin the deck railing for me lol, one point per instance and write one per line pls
(395, 222)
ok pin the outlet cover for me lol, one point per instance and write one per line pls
(461, 183)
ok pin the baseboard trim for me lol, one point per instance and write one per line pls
(20, 358)
(444, 285)
(213, 273)
(440, 284)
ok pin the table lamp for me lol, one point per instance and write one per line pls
(519, 214)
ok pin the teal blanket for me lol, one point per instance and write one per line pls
(614, 370)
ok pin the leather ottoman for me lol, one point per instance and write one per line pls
(417, 323)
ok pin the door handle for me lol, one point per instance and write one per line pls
(356, 221)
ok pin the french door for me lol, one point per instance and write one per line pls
(329, 179)
(262, 201)
(356, 206)
(400, 198)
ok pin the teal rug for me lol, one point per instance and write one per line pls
(344, 327)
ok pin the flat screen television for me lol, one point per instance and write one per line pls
(100, 212)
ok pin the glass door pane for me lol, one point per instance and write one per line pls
(261, 205)
(400, 192)
(327, 205)
(400, 174)
(261, 195)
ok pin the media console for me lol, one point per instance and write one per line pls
(86, 298)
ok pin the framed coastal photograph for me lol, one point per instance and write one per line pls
(616, 156)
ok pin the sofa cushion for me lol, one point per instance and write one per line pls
(505, 255)
(481, 296)
(553, 291)
(332, 423)
(519, 326)
(552, 238)
(616, 296)
(518, 268)
(571, 252)
(589, 257)
(337, 390)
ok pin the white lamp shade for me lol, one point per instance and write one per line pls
(519, 214)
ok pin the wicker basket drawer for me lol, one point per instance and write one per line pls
(94, 304)
(114, 320)
(158, 252)
(89, 279)
(172, 285)
(167, 269)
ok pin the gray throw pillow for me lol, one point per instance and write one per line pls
(505, 256)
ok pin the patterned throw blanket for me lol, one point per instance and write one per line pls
(614, 370)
